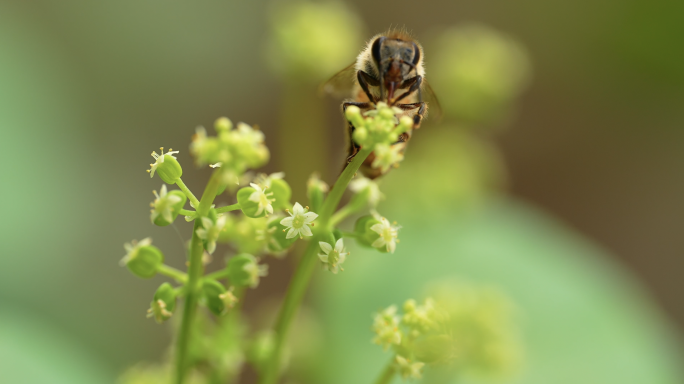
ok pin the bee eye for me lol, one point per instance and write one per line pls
(416, 56)
(375, 49)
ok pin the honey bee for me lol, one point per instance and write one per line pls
(389, 69)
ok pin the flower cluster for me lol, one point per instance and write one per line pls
(380, 129)
(462, 326)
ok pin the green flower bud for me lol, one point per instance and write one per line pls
(211, 291)
(166, 206)
(281, 193)
(254, 201)
(244, 233)
(275, 237)
(166, 166)
(362, 228)
(142, 258)
(223, 124)
(261, 348)
(163, 304)
(244, 270)
(316, 190)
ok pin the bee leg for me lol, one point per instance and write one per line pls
(418, 117)
(364, 81)
(413, 84)
(356, 104)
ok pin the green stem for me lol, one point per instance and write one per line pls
(195, 270)
(302, 275)
(340, 215)
(351, 235)
(387, 374)
(173, 273)
(189, 194)
(187, 212)
(218, 275)
(228, 208)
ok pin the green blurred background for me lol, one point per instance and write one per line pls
(570, 202)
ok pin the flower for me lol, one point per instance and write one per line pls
(229, 299)
(299, 222)
(210, 231)
(132, 249)
(332, 258)
(388, 234)
(163, 204)
(386, 328)
(261, 197)
(159, 159)
(387, 155)
(368, 186)
(265, 179)
(158, 311)
(255, 271)
(407, 369)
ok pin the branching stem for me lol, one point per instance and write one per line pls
(195, 270)
(302, 275)
(188, 193)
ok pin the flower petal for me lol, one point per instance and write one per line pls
(325, 247)
(309, 217)
(291, 233)
(297, 209)
(377, 228)
(287, 222)
(378, 243)
(305, 230)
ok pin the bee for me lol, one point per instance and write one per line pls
(389, 69)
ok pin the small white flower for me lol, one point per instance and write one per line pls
(315, 182)
(407, 369)
(265, 180)
(210, 231)
(132, 249)
(229, 299)
(386, 328)
(163, 205)
(260, 197)
(388, 234)
(217, 165)
(387, 156)
(332, 258)
(159, 159)
(255, 272)
(299, 222)
(361, 184)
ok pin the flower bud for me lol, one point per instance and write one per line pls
(281, 193)
(223, 124)
(142, 259)
(166, 166)
(254, 201)
(244, 270)
(163, 304)
(211, 291)
(167, 206)
(367, 193)
(362, 228)
(316, 190)
(275, 237)
(353, 114)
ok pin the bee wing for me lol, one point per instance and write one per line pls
(341, 84)
(428, 96)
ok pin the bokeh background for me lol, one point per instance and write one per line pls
(567, 197)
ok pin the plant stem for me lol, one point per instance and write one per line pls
(173, 273)
(228, 208)
(387, 374)
(186, 212)
(188, 193)
(302, 275)
(195, 270)
(221, 274)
